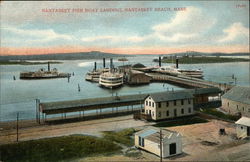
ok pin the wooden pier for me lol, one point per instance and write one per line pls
(188, 81)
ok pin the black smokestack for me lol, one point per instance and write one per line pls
(48, 66)
(95, 67)
(160, 61)
(103, 62)
(111, 63)
(177, 63)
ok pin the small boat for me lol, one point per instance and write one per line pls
(111, 79)
(43, 74)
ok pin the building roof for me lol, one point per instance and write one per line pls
(206, 90)
(238, 94)
(153, 134)
(171, 95)
(244, 121)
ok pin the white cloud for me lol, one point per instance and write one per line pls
(235, 32)
(185, 25)
(28, 36)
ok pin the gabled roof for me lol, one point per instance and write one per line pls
(153, 134)
(170, 96)
(244, 121)
(238, 94)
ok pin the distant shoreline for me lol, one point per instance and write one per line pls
(28, 62)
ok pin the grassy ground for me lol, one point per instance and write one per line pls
(58, 148)
(179, 122)
(198, 60)
(221, 115)
(26, 63)
(122, 137)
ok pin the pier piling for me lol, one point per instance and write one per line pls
(104, 63)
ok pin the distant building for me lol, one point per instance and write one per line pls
(243, 127)
(149, 140)
(169, 105)
(237, 100)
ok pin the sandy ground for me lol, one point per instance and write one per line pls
(225, 147)
(91, 127)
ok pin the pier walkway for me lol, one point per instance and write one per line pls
(188, 81)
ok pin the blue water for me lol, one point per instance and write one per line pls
(19, 95)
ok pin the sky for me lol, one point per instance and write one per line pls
(123, 27)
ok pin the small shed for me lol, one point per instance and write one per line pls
(243, 127)
(149, 140)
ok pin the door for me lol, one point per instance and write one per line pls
(175, 112)
(150, 112)
(248, 131)
(172, 149)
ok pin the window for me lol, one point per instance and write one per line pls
(241, 127)
(237, 107)
(182, 111)
(152, 113)
(189, 110)
(248, 110)
(228, 104)
(146, 111)
(167, 113)
(149, 103)
(182, 102)
(153, 104)
(141, 141)
(167, 103)
(174, 102)
(159, 114)
(159, 104)
(189, 101)
(146, 103)
(243, 108)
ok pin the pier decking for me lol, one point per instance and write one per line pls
(188, 81)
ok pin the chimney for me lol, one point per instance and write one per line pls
(48, 66)
(95, 67)
(160, 61)
(103, 62)
(177, 63)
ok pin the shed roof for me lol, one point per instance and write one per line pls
(244, 121)
(153, 134)
(238, 94)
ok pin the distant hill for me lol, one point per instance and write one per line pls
(63, 56)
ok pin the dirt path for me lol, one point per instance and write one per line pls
(92, 127)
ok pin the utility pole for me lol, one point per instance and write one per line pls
(160, 145)
(17, 116)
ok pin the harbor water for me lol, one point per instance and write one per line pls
(19, 95)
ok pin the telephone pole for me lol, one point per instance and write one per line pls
(160, 145)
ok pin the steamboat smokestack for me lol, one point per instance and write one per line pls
(177, 63)
(48, 66)
(160, 61)
(95, 67)
(103, 62)
(111, 63)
